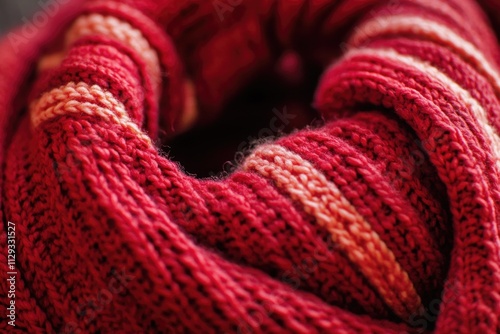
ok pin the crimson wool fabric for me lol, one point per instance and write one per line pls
(384, 218)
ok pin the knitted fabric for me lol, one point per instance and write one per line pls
(383, 219)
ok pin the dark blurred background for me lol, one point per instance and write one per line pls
(12, 12)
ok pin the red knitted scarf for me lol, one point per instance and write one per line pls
(384, 218)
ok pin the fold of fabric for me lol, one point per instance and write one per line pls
(384, 219)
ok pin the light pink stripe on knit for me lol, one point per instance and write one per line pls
(478, 111)
(122, 31)
(419, 26)
(445, 9)
(322, 199)
(85, 99)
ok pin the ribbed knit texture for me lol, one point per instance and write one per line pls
(364, 224)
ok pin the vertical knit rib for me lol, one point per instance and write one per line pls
(360, 225)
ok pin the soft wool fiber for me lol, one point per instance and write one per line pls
(384, 219)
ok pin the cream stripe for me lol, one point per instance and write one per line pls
(478, 111)
(419, 26)
(348, 228)
(112, 27)
(81, 98)
(94, 94)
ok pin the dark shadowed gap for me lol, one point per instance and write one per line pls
(276, 103)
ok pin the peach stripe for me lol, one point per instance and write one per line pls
(422, 27)
(478, 111)
(348, 228)
(190, 111)
(125, 33)
(82, 98)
